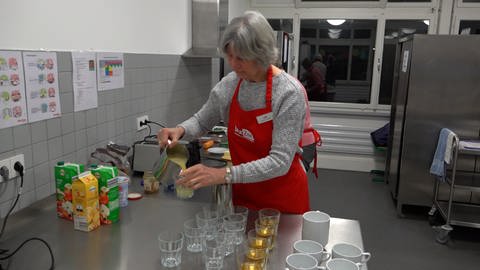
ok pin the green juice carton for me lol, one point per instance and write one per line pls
(64, 172)
(108, 193)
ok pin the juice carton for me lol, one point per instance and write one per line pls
(86, 212)
(108, 193)
(64, 172)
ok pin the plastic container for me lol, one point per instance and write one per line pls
(150, 183)
(123, 182)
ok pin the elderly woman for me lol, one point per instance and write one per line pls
(265, 109)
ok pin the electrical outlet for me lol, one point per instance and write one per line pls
(6, 163)
(14, 159)
(9, 163)
(141, 119)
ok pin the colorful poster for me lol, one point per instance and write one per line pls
(84, 81)
(13, 103)
(111, 71)
(41, 81)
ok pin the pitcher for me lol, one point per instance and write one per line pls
(168, 167)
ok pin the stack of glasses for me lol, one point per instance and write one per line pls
(218, 233)
(253, 254)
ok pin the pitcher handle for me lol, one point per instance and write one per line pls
(366, 256)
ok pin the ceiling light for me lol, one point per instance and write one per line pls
(427, 22)
(335, 22)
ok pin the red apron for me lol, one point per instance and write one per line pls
(287, 193)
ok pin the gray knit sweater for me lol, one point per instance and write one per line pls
(288, 108)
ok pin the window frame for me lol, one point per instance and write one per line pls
(464, 13)
(392, 11)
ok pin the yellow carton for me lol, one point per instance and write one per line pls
(86, 214)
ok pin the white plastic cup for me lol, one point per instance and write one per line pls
(123, 190)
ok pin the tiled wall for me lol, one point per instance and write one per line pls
(168, 88)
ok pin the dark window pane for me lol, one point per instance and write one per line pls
(285, 25)
(336, 60)
(361, 33)
(308, 33)
(345, 47)
(469, 27)
(360, 57)
(395, 29)
(471, 1)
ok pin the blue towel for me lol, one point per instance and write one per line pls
(438, 164)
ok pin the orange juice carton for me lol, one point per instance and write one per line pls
(64, 172)
(108, 193)
(86, 212)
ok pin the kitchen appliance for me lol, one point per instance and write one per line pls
(437, 86)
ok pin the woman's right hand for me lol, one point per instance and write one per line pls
(165, 135)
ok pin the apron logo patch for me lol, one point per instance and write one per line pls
(244, 133)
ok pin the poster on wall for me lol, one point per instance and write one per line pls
(41, 81)
(13, 103)
(84, 81)
(111, 73)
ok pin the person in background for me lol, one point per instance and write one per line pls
(318, 63)
(264, 110)
(314, 82)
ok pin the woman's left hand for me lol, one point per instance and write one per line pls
(200, 175)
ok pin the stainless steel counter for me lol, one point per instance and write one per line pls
(132, 242)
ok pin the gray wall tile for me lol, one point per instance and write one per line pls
(40, 153)
(6, 137)
(28, 180)
(64, 61)
(68, 123)
(54, 128)
(8, 191)
(68, 142)
(81, 139)
(79, 120)
(39, 131)
(66, 101)
(91, 119)
(26, 199)
(43, 191)
(55, 148)
(65, 82)
(92, 136)
(22, 136)
(41, 174)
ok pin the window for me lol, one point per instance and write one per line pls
(346, 49)
(469, 27)
(394, 30)
(285, 25)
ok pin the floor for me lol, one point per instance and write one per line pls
(395, 243)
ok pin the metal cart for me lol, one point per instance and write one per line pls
(455, 213)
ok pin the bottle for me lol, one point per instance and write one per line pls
(150, 183)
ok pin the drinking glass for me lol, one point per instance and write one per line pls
(251, 258)
(209, 220)
(266, 230)
(194, 235)
(171, 244)
(213, 251)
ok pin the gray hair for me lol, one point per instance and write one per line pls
(252, 38)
